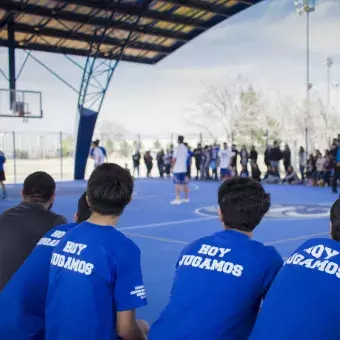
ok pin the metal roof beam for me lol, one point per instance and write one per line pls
(78, 36)
(9, 5)
(135, 10)
(203, 6)
(72, 51)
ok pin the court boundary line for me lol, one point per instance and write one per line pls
(164, 224)
(270, 243)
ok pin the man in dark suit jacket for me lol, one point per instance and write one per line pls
(22, 226)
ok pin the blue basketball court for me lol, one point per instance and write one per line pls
(162, 230)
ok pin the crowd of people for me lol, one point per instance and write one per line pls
(211, 162)
(83, 280)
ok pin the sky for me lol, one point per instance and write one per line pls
(266, 44)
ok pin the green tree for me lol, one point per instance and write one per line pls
(124, 148)
(109, 146)
(157, 145)
(68, 146)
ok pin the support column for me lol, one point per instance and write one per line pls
(86, 124)
(11, 60)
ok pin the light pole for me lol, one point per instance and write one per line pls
(306, 6)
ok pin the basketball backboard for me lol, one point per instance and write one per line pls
(20, 104)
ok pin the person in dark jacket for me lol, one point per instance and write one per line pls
(267, 160)
(233, 162)
(198, 160)
(22, 226)
(148, 160)
(275, 155)
(136, 162)
(160, 163)
(286, 156)
(253, 155)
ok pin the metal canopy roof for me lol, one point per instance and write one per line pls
(147, 30)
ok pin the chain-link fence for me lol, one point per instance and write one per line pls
(54, 152)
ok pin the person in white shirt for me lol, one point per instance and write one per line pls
(97, 154)
(224, 158)
(179, 170)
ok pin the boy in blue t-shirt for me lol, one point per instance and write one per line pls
(303, 302)
(95, 281)
(22, 301)
(222, 278)
(2, 175)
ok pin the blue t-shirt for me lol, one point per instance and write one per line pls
(303, 301)
(2, 161)
(337, 157)
(101, 148)
(22, 301)
(95, 272)
(219, 284)
(214, 153)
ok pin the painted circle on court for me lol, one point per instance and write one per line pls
(282, 211)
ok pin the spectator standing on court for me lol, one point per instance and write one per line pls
(22, 301)
(336, 171)
(303, 301)
(253, 155)
(233, 163)
(189, 160)
(221, 278)
(275, 155)
(148, 160)
(179, 170)
(214, 158)
(286, 157)
(267, 160)
(167, 163)
(97, 154)
(207, 161)
(224, 158)
(2, 175)
(95, 280)
(136, 163)
(22, 226)
(302, 163)
(198, 160)
(244, 156)
(160, 163)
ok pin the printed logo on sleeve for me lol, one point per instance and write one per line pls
(139, 291)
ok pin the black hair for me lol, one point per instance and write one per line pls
(243, 203)
(335, 220)
(83, 212)
(39, 187)
(109, 189)
(180, 139)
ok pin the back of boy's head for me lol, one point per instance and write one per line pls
(39, 187)
(83, 212)
(243, 203)
(335, 220)
(109, 189)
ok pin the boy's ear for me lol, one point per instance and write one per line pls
(220, 215)
(75, 217)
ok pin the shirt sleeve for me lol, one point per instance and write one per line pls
(274, 267)
(129, 289)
